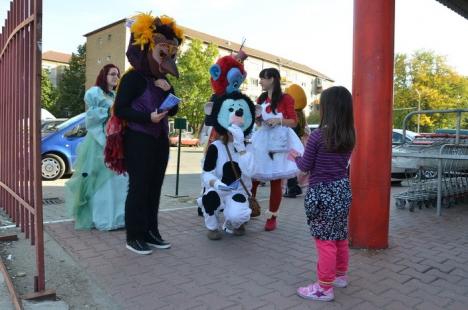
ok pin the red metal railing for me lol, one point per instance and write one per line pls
(20, 138)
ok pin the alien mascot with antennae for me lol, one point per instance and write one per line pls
(226, 77)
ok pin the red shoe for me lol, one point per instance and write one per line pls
(270, 224)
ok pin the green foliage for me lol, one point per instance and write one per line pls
(193, 85)
(71, 87)
(427, 79)
(313, 117)
(49, 93)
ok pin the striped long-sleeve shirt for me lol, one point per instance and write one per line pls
(322, 165)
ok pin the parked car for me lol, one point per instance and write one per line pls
(397, 136)
(451, 131)
(399, 174)
(186, 140)
(58, 149)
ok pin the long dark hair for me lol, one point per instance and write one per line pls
(277, 93)
(301, 123)
(101, 80)
(336, 119)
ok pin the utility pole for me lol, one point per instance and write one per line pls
(419, 107)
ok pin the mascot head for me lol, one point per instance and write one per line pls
(228, 73)
(154, 43)
(299, 96)
(233, 108)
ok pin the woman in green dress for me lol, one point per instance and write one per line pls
(95, 195)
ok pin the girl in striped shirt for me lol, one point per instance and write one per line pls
(328, 198)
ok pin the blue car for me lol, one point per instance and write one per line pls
(58, 148)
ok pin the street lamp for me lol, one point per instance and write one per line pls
(419, 107)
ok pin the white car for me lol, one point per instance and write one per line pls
(46, 115)
(399, 174)
(397, 136)
(312, 127)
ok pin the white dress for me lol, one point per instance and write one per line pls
(271, 147)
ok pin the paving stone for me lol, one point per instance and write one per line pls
(424, 267)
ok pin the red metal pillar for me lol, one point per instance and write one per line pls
(373, 46)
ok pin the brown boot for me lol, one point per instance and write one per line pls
(240, 231)
(214, 235)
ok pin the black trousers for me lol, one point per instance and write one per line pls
(146, 160)
(292, 184)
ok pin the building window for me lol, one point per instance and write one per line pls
(108, 58)
(109, 37)
(99, 61)
(100, 41)
(254, 81)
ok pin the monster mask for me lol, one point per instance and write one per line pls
(154, 44)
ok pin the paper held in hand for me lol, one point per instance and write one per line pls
(168, 103)
(233, 186)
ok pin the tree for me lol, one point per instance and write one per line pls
(49, 93)
(314, 114)
(71, 87)
(313, 117)
(193, 85)
(427, 80)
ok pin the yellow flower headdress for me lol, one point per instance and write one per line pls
(144, 26)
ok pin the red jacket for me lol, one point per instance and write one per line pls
(285, 106)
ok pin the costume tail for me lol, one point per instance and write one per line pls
(114, 149)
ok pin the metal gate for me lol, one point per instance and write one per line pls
(20, 138)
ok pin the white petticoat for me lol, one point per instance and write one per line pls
(267, 139)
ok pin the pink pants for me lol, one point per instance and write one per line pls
(333, 259)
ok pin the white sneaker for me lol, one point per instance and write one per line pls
(315, 292)
(341, 281)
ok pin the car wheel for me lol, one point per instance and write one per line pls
(52, 167)
(430, 174)
(427, 174)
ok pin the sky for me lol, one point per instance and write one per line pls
(317, 33)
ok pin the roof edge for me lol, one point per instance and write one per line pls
(278, 60)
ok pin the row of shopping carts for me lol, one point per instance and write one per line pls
(440, 168)
(441, 160)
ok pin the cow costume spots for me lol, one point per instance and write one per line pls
(233, 118)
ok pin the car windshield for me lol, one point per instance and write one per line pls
(51, 125)
(70, 121)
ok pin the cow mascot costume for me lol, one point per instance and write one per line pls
(228, 165)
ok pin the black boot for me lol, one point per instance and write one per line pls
(292, 189)
(289, 193)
